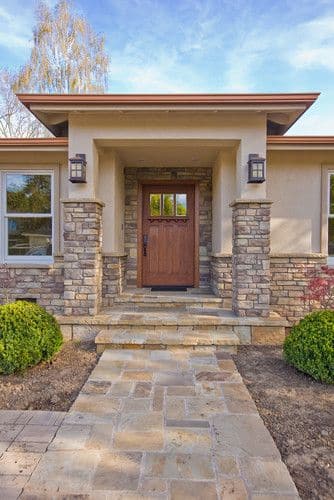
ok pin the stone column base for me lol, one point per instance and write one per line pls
(113, 279)
(82, 257)
(250, 257)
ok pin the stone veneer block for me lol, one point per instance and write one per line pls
(270, 335)
(250, 259)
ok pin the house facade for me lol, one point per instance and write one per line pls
(168, 201)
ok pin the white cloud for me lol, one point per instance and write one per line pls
(162, 73)
(316, 45)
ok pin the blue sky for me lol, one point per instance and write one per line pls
(204, 46)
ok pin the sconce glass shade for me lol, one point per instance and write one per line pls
(256, 169)
(78, 168)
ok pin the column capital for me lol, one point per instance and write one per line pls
(250, 201)
(83, 200)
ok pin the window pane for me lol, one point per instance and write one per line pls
(331, 194)
(155, 204)
(331, 236)
(168, 204)
(181, 204)
(30, 236)
(28, 193)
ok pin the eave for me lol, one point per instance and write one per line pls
(282, 110)
(34, 144)
(301, 142)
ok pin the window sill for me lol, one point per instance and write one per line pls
(28, 264)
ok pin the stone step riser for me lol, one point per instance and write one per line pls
(231, 349)
(181, 337)
(138, 306)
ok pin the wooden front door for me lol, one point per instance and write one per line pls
(168, 235)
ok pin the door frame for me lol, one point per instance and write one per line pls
(143, 183)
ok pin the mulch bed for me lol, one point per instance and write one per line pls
(299, 413)
(50, 386)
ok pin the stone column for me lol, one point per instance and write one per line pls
(250, 257)
(82, 256)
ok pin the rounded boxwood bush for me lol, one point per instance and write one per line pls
(28, 335)
(310, 346)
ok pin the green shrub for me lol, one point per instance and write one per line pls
(310, 346)
(28, 335)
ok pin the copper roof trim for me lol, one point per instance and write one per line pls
(301, 139)
(40, 141)
(174, 99)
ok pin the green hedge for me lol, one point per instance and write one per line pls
(28, 335)
(310, 346)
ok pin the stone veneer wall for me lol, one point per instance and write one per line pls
(45, 284)
(250, 257)
(135, 175)
(221, 278)
(82, 257)
(113, 277)
(289, 279)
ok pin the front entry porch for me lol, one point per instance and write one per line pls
(167, 217)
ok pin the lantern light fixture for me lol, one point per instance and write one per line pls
(256, 169)
(78, 168)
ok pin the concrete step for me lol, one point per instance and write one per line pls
(166, 300)
(218, 327)
(163, 337)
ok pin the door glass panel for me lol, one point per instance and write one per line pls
(155, 204)
(181, 204)
(168, 207)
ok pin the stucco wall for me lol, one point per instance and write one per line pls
(295, 185)
(223, 193)
(88, 131)
(111, 193)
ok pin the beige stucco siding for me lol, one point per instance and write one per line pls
(294, 184)
(111, 192)
(86, 131)
(223, 193)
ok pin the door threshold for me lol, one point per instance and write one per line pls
(166, 288)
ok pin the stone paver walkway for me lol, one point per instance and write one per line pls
(154, 424)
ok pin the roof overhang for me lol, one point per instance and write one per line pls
(301, 142)
(32, 144)
(282, 110)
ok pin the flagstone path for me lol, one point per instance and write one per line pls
(148, 424)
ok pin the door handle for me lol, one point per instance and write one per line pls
(145, 242)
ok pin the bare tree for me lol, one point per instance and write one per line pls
(15, 119)
(67, 55)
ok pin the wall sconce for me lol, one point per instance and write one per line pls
(78, 168)
(256, 169)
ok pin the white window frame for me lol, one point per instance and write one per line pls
(23, 259)
(329, 215)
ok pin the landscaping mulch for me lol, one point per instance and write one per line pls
(50, 386)
(299, 413)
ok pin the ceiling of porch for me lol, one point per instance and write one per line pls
(169, 153)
